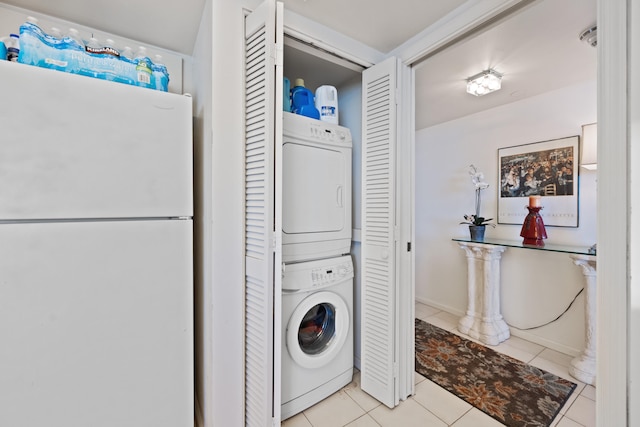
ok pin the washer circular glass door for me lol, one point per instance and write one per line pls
(317, 329)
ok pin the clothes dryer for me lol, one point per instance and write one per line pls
(317, 331)
(316, 189)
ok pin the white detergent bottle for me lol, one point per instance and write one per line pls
(327, 103)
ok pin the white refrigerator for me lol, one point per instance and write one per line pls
(96, 252)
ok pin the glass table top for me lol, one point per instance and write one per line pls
(579, 250)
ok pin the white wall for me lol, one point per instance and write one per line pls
(221, 396)
(536, 286)
(350, 112)
(634, 220)
(201, 79)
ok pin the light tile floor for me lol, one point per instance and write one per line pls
(432, 406)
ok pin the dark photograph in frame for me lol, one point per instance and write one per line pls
(548, 169)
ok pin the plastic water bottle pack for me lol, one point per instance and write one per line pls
(92, 58)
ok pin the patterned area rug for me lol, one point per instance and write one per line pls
(512, 392)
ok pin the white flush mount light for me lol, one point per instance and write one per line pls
(485, 82)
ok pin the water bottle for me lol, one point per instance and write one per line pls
(160, 74)
(127, 52)
(143, 68)
(3, 51)
(109, 48)
(93, 45)
(55, 32)
(13, 47)
(142, 52)
(74, 35)
(157, 60)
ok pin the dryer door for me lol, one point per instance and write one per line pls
(316, 189)
(317, 329)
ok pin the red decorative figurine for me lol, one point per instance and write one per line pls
(533, 228)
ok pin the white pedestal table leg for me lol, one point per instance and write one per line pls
(583, 367)
(483, 320)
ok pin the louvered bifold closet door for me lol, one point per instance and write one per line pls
(379, 297)
(260, 219)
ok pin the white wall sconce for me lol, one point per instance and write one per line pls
(485, 82)
(589, 152)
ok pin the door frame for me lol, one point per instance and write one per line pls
(618, 105)
(618, 98)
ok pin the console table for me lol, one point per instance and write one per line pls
(483, 320)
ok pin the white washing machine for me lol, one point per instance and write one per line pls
(317, 331)
(316, 189)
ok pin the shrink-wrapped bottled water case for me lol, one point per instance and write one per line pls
(70, 54)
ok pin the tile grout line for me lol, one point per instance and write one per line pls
(536, 354)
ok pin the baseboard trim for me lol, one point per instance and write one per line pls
(515, 332)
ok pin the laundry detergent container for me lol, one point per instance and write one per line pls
(302, 101)
(286, 94)
(327, 103)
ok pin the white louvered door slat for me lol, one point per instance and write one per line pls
(262, 393)
(379, 295)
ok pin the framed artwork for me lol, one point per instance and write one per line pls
(548, 169)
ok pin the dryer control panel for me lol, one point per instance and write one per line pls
(324, 133)
(311, 130)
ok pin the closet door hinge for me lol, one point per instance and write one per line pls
(279, 54)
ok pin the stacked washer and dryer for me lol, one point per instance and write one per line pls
(317, 282)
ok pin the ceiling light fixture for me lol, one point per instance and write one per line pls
(485, 82)
(590, 36)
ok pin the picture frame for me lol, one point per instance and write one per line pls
(549, 169)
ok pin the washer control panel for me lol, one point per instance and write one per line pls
(327, 276)
(313, 275)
